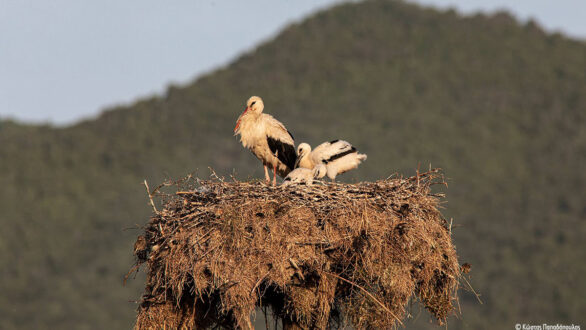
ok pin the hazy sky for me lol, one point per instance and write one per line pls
(63, 60)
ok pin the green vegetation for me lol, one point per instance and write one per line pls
(499, 105)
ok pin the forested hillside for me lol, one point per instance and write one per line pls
(499, 105)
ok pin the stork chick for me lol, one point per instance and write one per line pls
(267, 138)
(305, 175)
(338, 156)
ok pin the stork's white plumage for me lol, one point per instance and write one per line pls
(305, 175)
(338, 156)
(267, 138)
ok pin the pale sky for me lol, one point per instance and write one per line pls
(64, 60)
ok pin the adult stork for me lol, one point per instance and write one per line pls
(338, 156)
(267, 138)
(305, 175)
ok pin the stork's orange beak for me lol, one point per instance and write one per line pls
(239, 118)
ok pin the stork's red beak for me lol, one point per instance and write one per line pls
(239, 118)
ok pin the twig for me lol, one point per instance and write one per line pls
(259, 281)
(210, 250)
(135, 268)
(150, 196)
(472, 289)
(320, 244)
(294, 264)
(369, 294)
(136, 226)
(185, 192)
(418, 164)
(215, 175)
(164, 184)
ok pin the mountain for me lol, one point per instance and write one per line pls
(499, 105)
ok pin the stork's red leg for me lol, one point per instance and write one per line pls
(274, 175)
(267, 177)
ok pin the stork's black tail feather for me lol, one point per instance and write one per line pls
(284, 151)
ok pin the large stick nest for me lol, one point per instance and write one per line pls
(319, 256)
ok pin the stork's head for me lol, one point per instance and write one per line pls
(320, 171)
(253, 105)
(303, 149)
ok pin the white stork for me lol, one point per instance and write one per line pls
(305, 175)
(267, 138)
(338, 156)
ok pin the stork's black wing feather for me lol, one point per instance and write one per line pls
(340, 155)
(284, 151)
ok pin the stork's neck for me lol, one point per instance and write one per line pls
(306, 162)
(253, 115)
(250, 124)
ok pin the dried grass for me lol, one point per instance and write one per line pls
(319, 257)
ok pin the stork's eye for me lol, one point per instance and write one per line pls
(251, 104)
